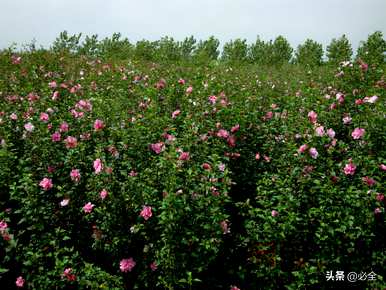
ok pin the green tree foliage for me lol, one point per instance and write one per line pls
(235, 50)
(309, 53)
(260, 52)
(168, 49)
(66, 42)
(207, 49)
(281, 51)
(115, 46)
(145, 50)
(90, 46)
(339, 50)
(187, 46)
(373, 50)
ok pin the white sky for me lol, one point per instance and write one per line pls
(23, 20)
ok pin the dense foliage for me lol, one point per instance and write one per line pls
(273, 52)
(117, 172)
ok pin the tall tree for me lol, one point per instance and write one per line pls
(339, 50)
(66, 42)
(235, 51)
(261, 52)
(281, 51)
(373, 50)
(309, 53)
(207, 49)
(187, 46)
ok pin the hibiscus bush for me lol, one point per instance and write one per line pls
(122, 174)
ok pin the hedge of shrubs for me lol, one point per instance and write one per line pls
(133, 175)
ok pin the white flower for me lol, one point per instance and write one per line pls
(64, 202)
(29, 127)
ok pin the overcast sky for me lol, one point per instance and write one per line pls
(23, 20)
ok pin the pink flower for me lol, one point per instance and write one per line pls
(319, 131)
(44, 117)
(358, 133)
(175, 114)
(231, 141)
(56, 137)
(377, 210)
(46, 183)
(332, 106)
(153, 266)
(52, 85)
(181, 81)
(63, 127)
(75, 175)
(133, 173)
(184, 156)
(55, 96)
(67, 273)
(103, 194)
(160, 84)
(71, 142)
(302, 148)
(313, 152)
(98, 166)
(98, 125)
(370, 100)
(225, 227)
(331, 133)
(75, 89)
(157, 147)
(347, 120)
(257, 156)
(13, 117)
(212, 99)
(358, 102)
(16, 59)
(189, 90)
(84, 105)
(235, 128)
(382, 167)
(340, 98)
(206, 166)
(32, 97)
(368, 180)
(350, 168)
(221, 167)
(29, 127)
(20, 282)
(274, 213)
(3, 226)
(380, 197)
(364, 66)
(214, 191)
(235, 288)
(146, 212)
(223, 134)
(64, 202)
(169, 138)
(51, 169)
(312, 116)
(268, 115)
(127, 265)
(87, 208)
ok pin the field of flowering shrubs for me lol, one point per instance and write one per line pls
(119, 174)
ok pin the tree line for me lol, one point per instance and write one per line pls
(272, 52)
